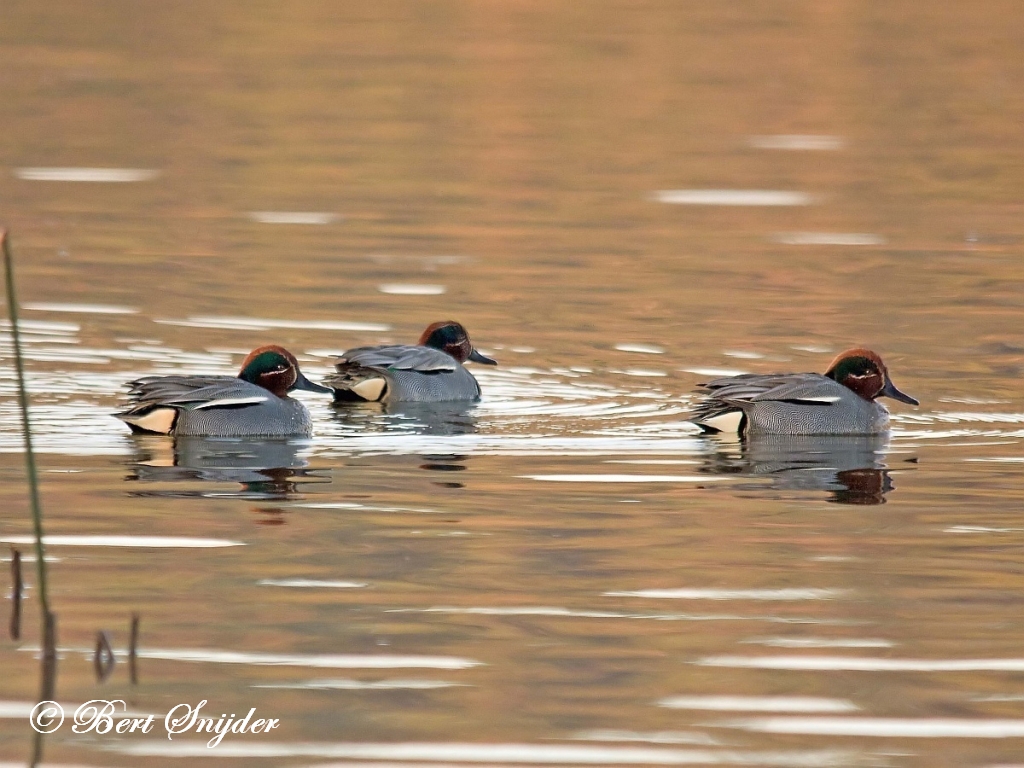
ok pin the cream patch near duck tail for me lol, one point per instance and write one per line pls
(158, 420)
(725, 422)
(371, 389)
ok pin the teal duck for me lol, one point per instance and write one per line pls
(253, 404)
(430, 371)
(842, 401)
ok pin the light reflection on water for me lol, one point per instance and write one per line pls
(88, 309)
(515, 754)
(809, 593)
(819, 642)
(559, 612)
(97, 175)
(311, 583)
(828, 238)
(864, 664)
(727, 197)
(797, 142)
(878, 727)
(314, 661)
(263, 324)
(362, 685)
(293, 217)
(758, 704)
(144, 542)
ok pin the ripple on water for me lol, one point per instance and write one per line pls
(828, 238)
(594, 478)
(863, 664)
(798, 142)
(557, 612)
(294, 217)
(39, 327)
(525, 411)
(313, 660)
(364, 685)
(658, 462)
(884, 727)
(713, 371)
(807, 593)
(735, 197)
(820, 642)
(411, 289)
(85, 309)
(62, 355)
(263, 324)
(16, 710)
(97, 175)
(311, 583)
(645, 373)
(148, 542)
(953, 417)
(654, 737)
(399, 444)
(759, 704)
(497, 754)
(647, 349)
(743, 354)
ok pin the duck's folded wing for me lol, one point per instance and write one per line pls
(155, 402)
(193, 392)
(362, 373)
(797, 388)
(725, 399)
(403, 357)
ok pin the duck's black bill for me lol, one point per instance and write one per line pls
(889, 390)
(476, 357)
(301, 382)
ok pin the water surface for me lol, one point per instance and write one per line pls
(618, 200)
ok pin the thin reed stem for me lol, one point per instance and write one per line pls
(30, 457)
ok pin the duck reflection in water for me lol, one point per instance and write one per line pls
(401, 420)
(266, 469)
(436, 419)
(851, 469)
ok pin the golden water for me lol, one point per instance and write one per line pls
(507, 165)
